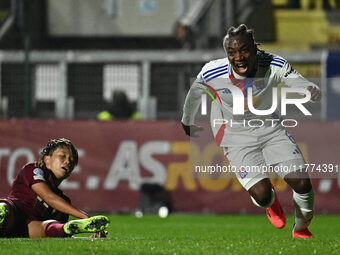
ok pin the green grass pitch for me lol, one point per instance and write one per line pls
(190, 234)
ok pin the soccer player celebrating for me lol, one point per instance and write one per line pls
(268, 144)
(35, 207)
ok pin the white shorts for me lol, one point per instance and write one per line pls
(251, 163)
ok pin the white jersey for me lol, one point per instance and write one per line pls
(271, 71)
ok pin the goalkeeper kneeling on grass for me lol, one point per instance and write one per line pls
(36, 208)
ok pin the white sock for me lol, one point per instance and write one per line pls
(304, 209)
(266, 206)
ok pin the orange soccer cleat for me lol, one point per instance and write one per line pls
(303, 233)
(275, 213)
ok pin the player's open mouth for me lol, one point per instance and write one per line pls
(242, 67)
(65, 168)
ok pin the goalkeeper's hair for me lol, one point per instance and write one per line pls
(53, 144)
(241, 30)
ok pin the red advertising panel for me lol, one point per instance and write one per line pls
(117, 157)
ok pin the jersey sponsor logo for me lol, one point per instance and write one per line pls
(242, 172)
(38, 174)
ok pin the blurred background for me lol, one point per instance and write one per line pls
(112, 76)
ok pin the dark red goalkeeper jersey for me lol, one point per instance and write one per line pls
(30, 205)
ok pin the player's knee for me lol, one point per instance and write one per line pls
(45, 223)
(299, 181)
(302, 186)
(263, 199)
(36, 229)
(261, 192)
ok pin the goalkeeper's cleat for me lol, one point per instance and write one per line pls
(303, 233)
(2, 215)
(94, 224)
(275, 213)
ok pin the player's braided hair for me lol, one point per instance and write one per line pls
(240, 30)
(53, 144)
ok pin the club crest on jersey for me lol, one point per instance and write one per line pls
(242, 172)
(38, 174)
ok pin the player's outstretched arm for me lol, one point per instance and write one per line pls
(191, 104)
(55, 201)
(292, 78)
